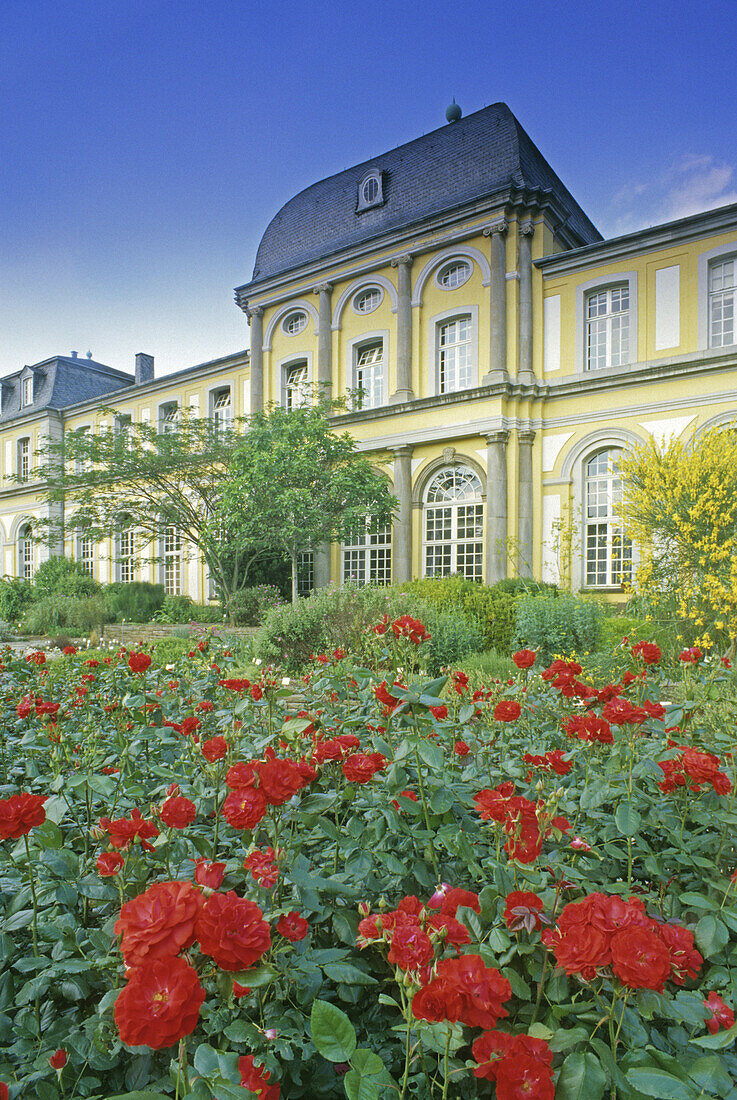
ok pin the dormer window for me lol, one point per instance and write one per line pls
(370, 191)
(27, 391)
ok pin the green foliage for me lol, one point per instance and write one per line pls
(561, 626)
(182, 609)
(248, 606)
(293, 483)
(167, 651)
(15, 596)
(481, 668)
(53, 614)
(136, 602)
(332, 617)
(492, 607)
(63, 577)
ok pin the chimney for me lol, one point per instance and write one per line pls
(144, 368)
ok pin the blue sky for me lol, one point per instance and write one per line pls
(145, 144)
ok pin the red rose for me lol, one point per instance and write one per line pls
(241, 775)
(360, 768)
(69, 650)
(4, 1091)
(649, 651)
(214, 749)
(640, 959)
(158, 923)
(159, 1004)
(235, 685)
(124, 831)
(453, 898)
(404, 794)
(465, 991)
(257, 693)
(59, 1059)
(244, 807)
(139, 662)
(20, 813)
(292, 927)
(721, 1014)
(209, 874)
(256, 1078)
(461, 748)
(410, 948)
(278, 779)
(508, 710)
(621, 712)
(440, 712)
(109, 863)
(382, 695)
(232, 931)
(262, 866)
(685, 960)
(178, 813)
(522, 910)
(524, 658)
(691, 656)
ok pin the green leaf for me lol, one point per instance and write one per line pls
(358, 1087)
(332, 1032)
(441, 801)
(627, 819)
(596, 794)
(567, 1037)
(654, 1081)
(431, 754)
(581, 1078)
(711, 935)
(710, 1074)
(720, 1041)
(139, 1096)
(257, 978)
(351, 975)
(697, 901)
(366, 1062)
(206, 1060)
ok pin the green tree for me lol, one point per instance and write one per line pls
(292, 484)
(132, 475)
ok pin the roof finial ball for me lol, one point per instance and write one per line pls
(453, 113)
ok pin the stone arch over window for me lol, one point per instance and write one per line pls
(25, 548)
(721, 420)
(363, 282)
(279, 315)
(460, 252)
(453, 521)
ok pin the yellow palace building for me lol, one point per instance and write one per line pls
(494, 352)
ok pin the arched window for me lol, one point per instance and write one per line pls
(454, 524)
(25, 552)
(608, 550)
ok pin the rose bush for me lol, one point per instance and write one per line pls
(216, 891)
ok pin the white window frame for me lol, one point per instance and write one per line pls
(436, 324)
(169, 413)
(126, 555)
(288, 316)
(705, 261)
(353, 350)
(364, 292)
(85, 555)
(610, 329)
(25, 552)
(216, 403)
(23, 458)
(602, 531)
(171, 566)
(81, 466)
(449, 544)
(583, 290)
(283, 367)
(452, 263)
(366, 558)
(27, 391)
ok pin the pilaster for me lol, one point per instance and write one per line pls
(496, 506)
(403, 391)
(497, 371)
(402, 526)
(525, 440)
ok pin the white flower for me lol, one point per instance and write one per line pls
(286, 681)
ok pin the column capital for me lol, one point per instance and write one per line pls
(403, 450)
(405, 258)
(527, 228)
(526, 437)
(322, 288)
(254, 311)
(500, 226)
(501, 435)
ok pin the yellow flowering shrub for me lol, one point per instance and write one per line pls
(680, 506)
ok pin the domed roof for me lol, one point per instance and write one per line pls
(462, 162)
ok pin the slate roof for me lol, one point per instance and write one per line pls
(60, 382)
(460, 163)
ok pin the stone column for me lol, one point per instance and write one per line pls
(525, 503)
(498, 304)
(402, 526)
(321, 563)
(403, 391)
(256, 321)
(496, 506)
(325, 341)
(524, 365)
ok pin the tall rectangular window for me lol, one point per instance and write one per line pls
(608, 549)
(295, 386)
(455, 355)
(127, 555)
(305, 572)
(86, 554)
(607, 327)
(168, 417)
(24, 459)
(367, 556)
(222, 410)
(368, 375)
(172, 562)
(27, 394)
(721, 302)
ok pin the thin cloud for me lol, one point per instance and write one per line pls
(694, 183)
